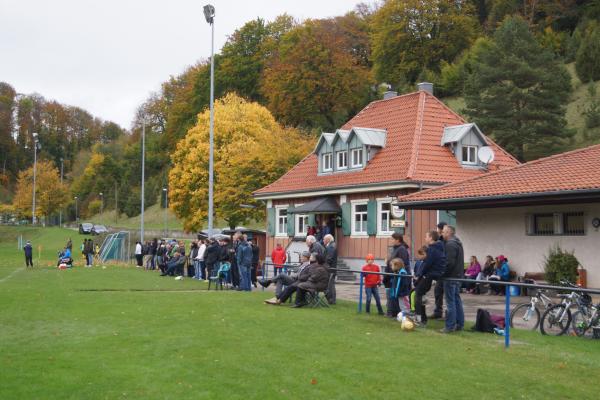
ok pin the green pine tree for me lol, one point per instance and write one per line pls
(518, 92)
(587, 63)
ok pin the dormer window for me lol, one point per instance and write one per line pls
(357, 158)
(327, 162)
(469, 155)
(342, 159)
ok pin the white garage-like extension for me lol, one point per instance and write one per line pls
(522, 211)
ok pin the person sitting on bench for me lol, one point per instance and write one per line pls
(282, 279)
(313, 279)
(175, 264)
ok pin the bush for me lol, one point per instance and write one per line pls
(94, 207)
(592, 112)
(560, 265)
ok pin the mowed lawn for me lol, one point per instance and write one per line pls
(123, 333)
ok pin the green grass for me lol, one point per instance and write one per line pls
(175, 340)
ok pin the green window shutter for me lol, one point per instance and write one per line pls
(291, 221)
(346, 219)
(372, 217)
(271, 221)
(311, 220)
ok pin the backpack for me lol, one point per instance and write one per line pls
(483, 322)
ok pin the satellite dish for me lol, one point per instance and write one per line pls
(485, 154)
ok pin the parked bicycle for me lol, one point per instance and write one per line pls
(527, 315)
(585, 319)
(557, 319)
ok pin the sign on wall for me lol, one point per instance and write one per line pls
(398, 217)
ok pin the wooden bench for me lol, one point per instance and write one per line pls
(536, 277)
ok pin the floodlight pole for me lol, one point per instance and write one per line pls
(165, 190)
(143, 168)
(101, 203)
(35, 145)
(61, 182)
(209, 13)
(76, 216)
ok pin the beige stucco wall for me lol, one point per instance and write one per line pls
(503, 231)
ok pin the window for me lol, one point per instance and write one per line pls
(551, 224)
(327, 162)
(342, 159)
(573, 223)
(281, 216)
(383, 217)
(469, 154)
(301, 224)
(357, 158)
(359, 218)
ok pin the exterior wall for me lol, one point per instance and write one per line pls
(503, 231)
(417, 223)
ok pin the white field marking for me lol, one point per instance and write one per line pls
(11, 274)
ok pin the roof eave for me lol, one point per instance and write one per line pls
(511, 200)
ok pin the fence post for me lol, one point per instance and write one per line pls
(507, 318)
(360, 294)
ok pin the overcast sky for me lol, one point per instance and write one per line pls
(106, 56)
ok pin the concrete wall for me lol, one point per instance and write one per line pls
(503, 231)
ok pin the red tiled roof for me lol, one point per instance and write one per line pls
(571, 171)
(415, 123)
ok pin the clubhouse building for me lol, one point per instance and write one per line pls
(393, 147)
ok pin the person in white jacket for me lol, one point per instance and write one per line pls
(139, 256)
(199, 261)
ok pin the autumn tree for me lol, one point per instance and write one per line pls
(51, 195)
(411, 36)
(316, 78)
(251, 151)
(518, 92)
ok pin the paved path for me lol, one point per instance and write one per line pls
(494, 304)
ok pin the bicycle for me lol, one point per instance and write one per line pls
(557, 319)
(585, 319)
(527, 315)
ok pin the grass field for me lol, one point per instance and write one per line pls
(123, 333)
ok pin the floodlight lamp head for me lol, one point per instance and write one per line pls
(209, 13)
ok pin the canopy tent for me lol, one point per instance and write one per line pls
(324, 205)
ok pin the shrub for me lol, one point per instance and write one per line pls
(560, 265)
(592, 112)
(94, 207)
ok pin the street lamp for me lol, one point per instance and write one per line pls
(101, 203)
(165, 190)
(209, 14)
(76, 214)
(61, 182)
(35, 149)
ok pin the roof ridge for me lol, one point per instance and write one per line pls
(507, 170)
(417, 135)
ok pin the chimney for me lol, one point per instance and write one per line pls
(425, 86)
(389, 94)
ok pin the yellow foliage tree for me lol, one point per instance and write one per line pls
(251, 151)
(50, 194)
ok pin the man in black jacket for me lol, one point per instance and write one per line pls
(433, 268)
(455, 268)
(211, 257)
(399, 250)
(438, 292)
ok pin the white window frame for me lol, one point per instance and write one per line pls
(277, 210)
(380, 203)
(355, 203)
(328, 156)
(297, 218)
(337, 159)
(353, 157)
(465, 150)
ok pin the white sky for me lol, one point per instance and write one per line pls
(107, 56)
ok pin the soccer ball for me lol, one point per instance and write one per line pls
(407, 324)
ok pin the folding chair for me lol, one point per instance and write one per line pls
(218, 276)
(318, 299)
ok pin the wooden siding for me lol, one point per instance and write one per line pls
(417, 223)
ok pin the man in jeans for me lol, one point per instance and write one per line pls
(244, 262)
(455, 268)
(433, 267)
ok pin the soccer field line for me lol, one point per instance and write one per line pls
(11, 274)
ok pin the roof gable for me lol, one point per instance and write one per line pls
(456, 133)
(325, 138)
(369, 136)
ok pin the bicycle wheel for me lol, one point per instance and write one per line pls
(556, 320)
(525, 316)
(579, 324)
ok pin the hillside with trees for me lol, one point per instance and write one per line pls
(525, 71)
